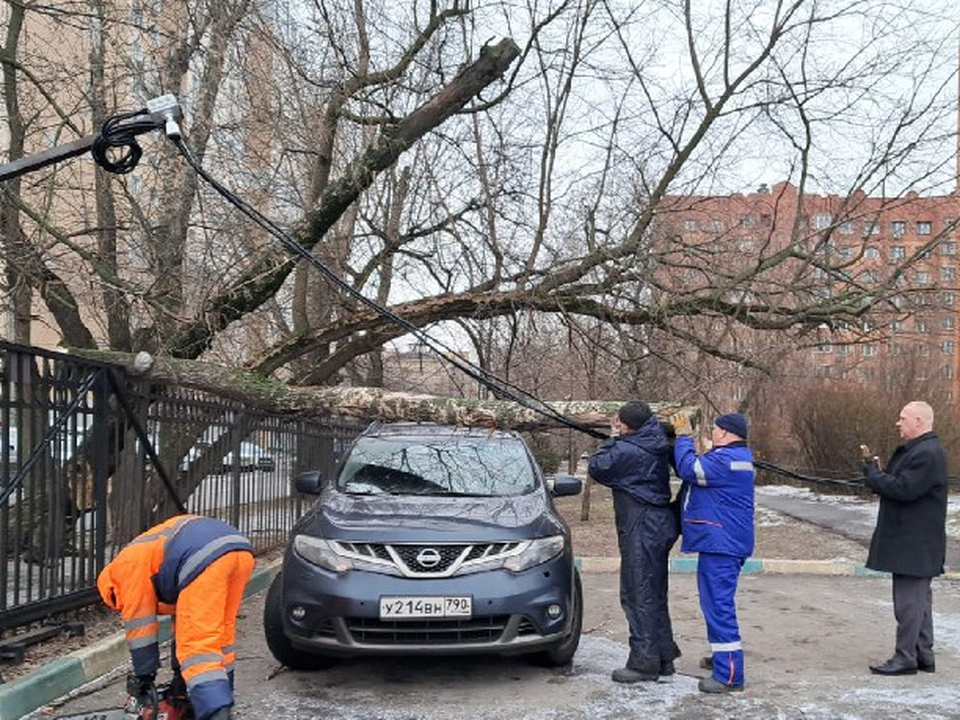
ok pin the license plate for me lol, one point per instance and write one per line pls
(400, 607)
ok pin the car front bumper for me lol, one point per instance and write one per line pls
(339, 614)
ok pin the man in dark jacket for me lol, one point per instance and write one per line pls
(910, 538)
(635, 465)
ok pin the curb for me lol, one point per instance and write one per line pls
(756, 566)
(59, 678)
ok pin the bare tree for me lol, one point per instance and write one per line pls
(548, 194)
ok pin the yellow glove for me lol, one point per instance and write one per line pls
(681, 425)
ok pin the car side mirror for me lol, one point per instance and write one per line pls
(309, 482)
(561, 485)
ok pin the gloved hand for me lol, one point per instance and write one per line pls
(870, 465)
(681, 425)
(178, 686)
(669, 430)
(142, 688)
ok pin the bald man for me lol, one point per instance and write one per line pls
(910, 538)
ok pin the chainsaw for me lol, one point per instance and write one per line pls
(164, 702)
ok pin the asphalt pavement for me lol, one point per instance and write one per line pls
(853, 522)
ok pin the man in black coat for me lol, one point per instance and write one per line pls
(910, 539)
(635, 465)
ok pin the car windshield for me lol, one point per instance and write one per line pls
(482, 466)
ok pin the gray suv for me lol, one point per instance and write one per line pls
(431, 540)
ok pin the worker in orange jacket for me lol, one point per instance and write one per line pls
(194, 568)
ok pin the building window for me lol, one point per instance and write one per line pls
(870, 227)
(948, 297)
(946, 347)
(823, 348)
(898, 228)
(868, 350)
(717, 226)
(745, 244)
(871, 253)
(947, 322)
(948, 248)
(821, 221)
(948, 272)
(946, 372)
(846, 227)
(924, 227)
(923, 350)
(922, 325)
(746, 221)
(846, 252)
(923, 277)
(822, 371)
(690, 225)
(898, 252)
(843, 349)
(895, 349)
(896, 326)
(739, 393)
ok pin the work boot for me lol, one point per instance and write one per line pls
(222, 714)
(706, 662)
(667, 668)
(715, 687)
(628, 675)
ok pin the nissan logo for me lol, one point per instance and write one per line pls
(428, 558)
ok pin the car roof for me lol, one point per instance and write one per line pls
(434, 430)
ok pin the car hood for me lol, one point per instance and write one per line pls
(404, 518)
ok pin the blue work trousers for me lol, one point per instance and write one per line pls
(717, 577)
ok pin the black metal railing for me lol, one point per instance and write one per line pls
(91, 456)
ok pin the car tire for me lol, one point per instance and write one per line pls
(562, 653)
(277, 640)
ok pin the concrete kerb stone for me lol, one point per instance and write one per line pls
(752, 566)
(63, 676)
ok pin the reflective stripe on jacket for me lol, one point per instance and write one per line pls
(717, 498)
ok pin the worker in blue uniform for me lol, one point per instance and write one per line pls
(717, 523)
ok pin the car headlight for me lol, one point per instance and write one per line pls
(535, 552)
(321, 553)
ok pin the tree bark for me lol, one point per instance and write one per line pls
(375, 404)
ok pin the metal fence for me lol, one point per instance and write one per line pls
(91, 456)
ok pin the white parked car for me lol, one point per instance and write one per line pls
(252, 457)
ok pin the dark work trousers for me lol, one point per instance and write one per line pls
(717, 578)
(913, 609)
(645, 534)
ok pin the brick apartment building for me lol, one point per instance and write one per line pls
(912, 338)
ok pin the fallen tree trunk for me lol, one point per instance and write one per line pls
(375, 404)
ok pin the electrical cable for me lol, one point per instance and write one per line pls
(119, 135)
(484, 377)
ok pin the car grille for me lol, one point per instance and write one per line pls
(371, 631)
(412, 560)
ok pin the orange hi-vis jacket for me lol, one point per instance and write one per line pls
(195, 568)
